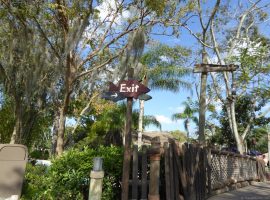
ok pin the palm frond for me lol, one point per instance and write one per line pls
(178, 116)
(151, 120)
(169, 71)
(171, 84)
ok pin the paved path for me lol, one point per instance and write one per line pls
(258, 191)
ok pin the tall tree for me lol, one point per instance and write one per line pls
(85, 36)
(27, 68)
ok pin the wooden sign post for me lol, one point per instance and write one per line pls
(204, 69)
(127, 151)
(127, 89)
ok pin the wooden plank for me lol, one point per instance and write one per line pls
(154, 172)
(171, 172)
(176, 174)
(204, 68)
(182, 172)
(144, 173)
(167, 170)
(135, 173)
(194, 155)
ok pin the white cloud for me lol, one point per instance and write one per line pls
(166, 120)
(107, 9)
(163, 119)
(177, 109)
(106, 13)
(180, 109)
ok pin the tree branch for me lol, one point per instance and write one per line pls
(192, 33)
(83, 112)
(46, 38)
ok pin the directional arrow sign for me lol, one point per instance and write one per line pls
(113, 96)
(129, 88)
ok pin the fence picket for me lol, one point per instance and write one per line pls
(135, 173)
(144, 173)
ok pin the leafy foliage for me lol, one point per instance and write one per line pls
(68, 176)
(245, 109)
(105, 124)
(179, 135)
(156, 5)
(7, 121)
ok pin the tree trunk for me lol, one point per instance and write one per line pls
(238, 138)
(269, 148)
(61, 132)
(202, 110)
(16, 134)
(69, 75)
(54, 133)
(202, 102)
(141, 114)
(188, 133)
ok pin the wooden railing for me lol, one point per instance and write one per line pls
(174, 171)
(230, 171)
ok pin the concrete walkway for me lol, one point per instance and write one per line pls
(257, 191)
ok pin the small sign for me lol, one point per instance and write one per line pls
(129, 88)
(113, 96)
(144, 97)
(204, 68)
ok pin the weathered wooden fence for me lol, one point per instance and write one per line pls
(175, 171)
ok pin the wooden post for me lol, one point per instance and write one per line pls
(176, 176)
(127, 151)
(172, 191)
(144, 173)
(268, 149)
(154, 172)
(204, 69)
(135, 173)
(96, 175)
(202, 103)
(141, 114)
(167, 170)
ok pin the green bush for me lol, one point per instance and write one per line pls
(36, 183)
(68, 176)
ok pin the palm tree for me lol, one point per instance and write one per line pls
(162, 68)
(187, 115)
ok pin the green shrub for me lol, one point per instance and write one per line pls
(68, 176)
(36, 183)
